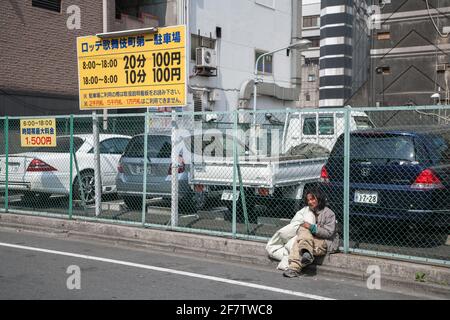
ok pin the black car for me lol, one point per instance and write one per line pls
(397, 174)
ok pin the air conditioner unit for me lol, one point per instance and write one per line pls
(441, 67)
(206, 58)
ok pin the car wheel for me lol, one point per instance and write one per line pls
(133, 202)
(87, 181)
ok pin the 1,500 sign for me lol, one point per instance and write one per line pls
(147, 70)
(38, 132)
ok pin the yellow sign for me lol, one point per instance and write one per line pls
(147, 70)
(38, 132)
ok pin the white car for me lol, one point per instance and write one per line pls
(44, 171)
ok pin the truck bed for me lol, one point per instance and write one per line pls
(258, 171)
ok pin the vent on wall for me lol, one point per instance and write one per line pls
(52, 5)
(441, 67)
(198, 104)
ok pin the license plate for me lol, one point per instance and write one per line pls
(227, 195)
(13, 167)
(369, 197)
(140, 169)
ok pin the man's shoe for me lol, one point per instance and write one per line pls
(291, 273)
(307, 258)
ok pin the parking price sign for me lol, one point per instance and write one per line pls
(38, 132)
(134, 71)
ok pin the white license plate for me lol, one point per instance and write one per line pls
(140, 169)
(13, 167)
(227, 195)
(369, 197)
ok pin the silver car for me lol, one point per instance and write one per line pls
(129, 180)
(130, 175)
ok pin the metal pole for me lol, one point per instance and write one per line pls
(145, 163)
(97, 176)
(6, 161)
(303, 43)
(233, 220)
(105, 30)
(71, 169)
(255, 84)
(347, 179)
(175, 164)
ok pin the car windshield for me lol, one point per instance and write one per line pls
(62, 145)
(158, 146)
(382, 147)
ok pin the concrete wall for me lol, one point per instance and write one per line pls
(310, 89)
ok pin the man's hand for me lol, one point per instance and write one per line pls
(306, 225)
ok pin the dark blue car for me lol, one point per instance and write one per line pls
(400, 174)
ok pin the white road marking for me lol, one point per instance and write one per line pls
(184, 273)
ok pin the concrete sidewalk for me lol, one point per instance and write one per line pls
(393, 272)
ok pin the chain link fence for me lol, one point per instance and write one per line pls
(384, 171)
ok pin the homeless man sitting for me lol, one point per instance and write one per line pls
(313, 239)
(311, 232)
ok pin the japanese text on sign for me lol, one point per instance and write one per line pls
(134, 71)
(38, 133)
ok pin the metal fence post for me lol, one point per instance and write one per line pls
(175, 164)
(233, 220)
(71, 168)
(346, 199)
(144, 187)
(6, 161)
(97, 169)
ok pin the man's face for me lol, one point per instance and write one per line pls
(312, 202)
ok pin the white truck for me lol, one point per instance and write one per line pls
(276, 178)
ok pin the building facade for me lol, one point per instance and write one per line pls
(38, 55)
(309, 96)
(344, 49)
(409, 55)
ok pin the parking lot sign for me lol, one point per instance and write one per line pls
(38, 132)
(133, 71)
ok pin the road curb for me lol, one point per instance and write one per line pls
(393, 272)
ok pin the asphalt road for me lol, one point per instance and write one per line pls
(36, 266)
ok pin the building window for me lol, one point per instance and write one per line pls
(52, 5)
(383, 35)
(312, 61)
(265, 63)
(311, 21)
(311, 77)
(307, 97)
(315, 42)
(200, 41)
